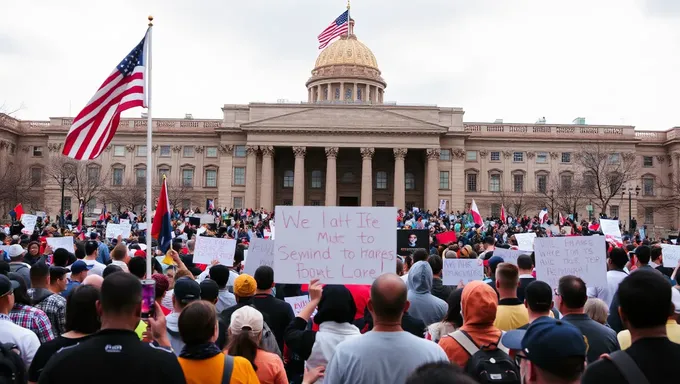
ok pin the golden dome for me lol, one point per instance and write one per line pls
(347, 51)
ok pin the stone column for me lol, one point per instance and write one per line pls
(342, 91)
(675, 181)
(318, 93)
(367, 177)
(225, 175)
(368, 93)
(299, 176)
(251, 176)
(331, 178)
(267, 194)
(354, 96)
(432, 180)
(399, 183)
(457, 202)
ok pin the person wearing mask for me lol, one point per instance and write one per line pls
(616, 262)
(539, 301)
(571, 298)
(525, 264)
(452, 321)
(220, 274)
(115, 354)
(672, 327)
(245, 333)
(82, 321)
(28, 316)
(79, 272)
(186, 291)
(511, 313)
(278, 312)
(378, 356)
(91, 254)
(335, 316)
(479, 306)
(550, 352)
(17, 264)
(201, 360)
(645, 304)
(423, 305)
(47, 284)
(26, 341)
(438, 288)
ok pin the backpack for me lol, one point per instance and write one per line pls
(12, 367)
(228, 368)
(268, 341)
(628, 367)
(488, 365)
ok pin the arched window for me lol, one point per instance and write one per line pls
(118, 172)
(288, 179)
(140, 175)
(337, 93)
(381, 180)
(317, 179)
(348, 92)
(409, 181)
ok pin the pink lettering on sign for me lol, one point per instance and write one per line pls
(339, 245)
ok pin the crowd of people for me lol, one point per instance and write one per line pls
(75, 315)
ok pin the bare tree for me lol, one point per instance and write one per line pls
(129, 195)
(605, 172)
(516, 203)
(563, 194)
(177, 192)
(18, 186)
(84, 180)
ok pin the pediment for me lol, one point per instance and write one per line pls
(345, 118)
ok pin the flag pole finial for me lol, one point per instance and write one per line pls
(348, 5)
(151, 20)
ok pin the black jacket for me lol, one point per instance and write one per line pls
(440, 290)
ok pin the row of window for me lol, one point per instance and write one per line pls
(517, 157)
(187, 151)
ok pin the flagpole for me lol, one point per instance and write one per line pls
(149, 162)
(349, 24)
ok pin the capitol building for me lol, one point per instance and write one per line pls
(345, 146)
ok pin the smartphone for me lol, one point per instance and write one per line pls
(148, 298)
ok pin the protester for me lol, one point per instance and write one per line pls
(511, 313)
(94, 280)
(538, 301)
(452, 321)
(378, 356)
(162, 285)
(91, 254)
(119, 255)
(438, 288)
(525, 264)
(616, 262)
(439, 373)
(201, 360)
(82, 321)
(25, 341)
(245, 332)
(423, 305)
(47, 284)
(220, 274)
(278, 312)
(672, 327)
(115, 354)
(186, 291)
(79, 272)
(597, 310)
(26, 315)
(17, 264)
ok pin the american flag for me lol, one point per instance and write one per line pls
(94, 127)
(337, 28)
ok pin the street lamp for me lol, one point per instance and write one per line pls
(630, 191)
(552, 204)
(63, 180)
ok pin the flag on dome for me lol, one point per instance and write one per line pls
(337, 28)
(94, 127)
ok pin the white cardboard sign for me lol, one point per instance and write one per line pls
(298, 303)
(65, 242)
(338, 245)
(671, 255)
(610, 228)
(211, 248)
(582, 256)
(29, 222)
(113, 230)
(462, 270)
(525, 241)
(260, 252)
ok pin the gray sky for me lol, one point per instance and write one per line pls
(611, 61)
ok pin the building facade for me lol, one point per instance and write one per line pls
(345, 146)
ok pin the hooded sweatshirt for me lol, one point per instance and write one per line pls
(479, 305)
(424, 305)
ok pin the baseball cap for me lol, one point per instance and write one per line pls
(246, 319)
(210, 290)
(80, 266)
(187, 290)
(245, 285)
(7, 286)
(539, 340)
(15, 250)
(493, 262)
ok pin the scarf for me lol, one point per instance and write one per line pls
(200, 351)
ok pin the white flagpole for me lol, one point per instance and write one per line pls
(149, 160)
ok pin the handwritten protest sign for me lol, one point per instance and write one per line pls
(65, 242)
(510, 255)
(525, 241)
(671, 255)
(113, 230)
(462, 270)
(141, 226)
(339, 245)
(211, 248)
(298, 303)
(124, 221)
(260, 252)
(610, 229)
(582, 256)
(29, 222)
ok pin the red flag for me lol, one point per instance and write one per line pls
(446, 237)
(476, 216)
(80, 216)
(562, 221)
(503, 213)
(19, 211)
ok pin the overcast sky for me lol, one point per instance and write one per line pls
(611, 61)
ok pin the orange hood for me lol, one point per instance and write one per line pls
(479, 304)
